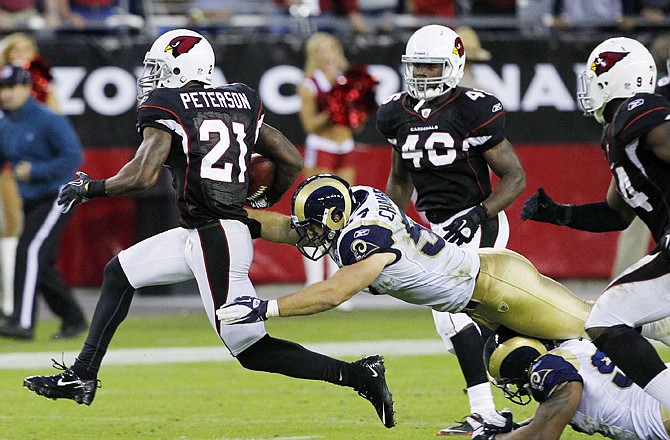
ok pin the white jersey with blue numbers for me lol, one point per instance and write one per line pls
(426, 271)
(611, 403)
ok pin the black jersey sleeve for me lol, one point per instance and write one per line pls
(637, 116)
(483, 118)
(548, 372)
(157, 107)
(387, 123)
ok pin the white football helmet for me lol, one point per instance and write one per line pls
(617, 68)
(175, 58)
(433, 44)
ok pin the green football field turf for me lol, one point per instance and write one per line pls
(221, 400)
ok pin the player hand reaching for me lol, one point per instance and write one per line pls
(80, 190)
(463, 228)
(488, 431)
(247, 310)
(542, 208)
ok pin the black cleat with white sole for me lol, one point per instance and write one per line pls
(65, 385)
(375, 389)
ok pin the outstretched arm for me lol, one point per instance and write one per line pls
(137, 175)
(275, 227)
(332, 292)
(612, 214)
(315, 298)
(143, 170)
(551, 416)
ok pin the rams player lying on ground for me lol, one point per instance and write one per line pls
(575, 384)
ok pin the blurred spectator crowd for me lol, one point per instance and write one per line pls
(346, 16)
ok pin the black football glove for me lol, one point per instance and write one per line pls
(263, 198)
(243, 310)
(258, 201)
(487, 431)
(541, 208)
(74, 192)
(462, 229)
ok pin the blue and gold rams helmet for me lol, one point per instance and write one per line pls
(321, 207)
(508, 361)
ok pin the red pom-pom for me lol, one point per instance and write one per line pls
(262, 174)
(351, 101)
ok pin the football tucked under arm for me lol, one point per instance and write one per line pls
(262, 175)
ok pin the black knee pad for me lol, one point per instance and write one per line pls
(631, 352)
(609, 334)
(115, 276)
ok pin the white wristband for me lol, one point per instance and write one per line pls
(273, 308)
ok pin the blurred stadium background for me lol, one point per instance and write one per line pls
(532, 71)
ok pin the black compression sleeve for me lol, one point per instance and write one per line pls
(594, 217)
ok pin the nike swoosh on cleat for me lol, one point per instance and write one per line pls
(62, 383)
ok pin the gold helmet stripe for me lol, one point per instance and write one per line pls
(506, 348)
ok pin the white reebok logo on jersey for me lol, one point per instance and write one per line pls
(361, 233)
(634, 104)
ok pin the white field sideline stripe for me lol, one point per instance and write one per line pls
(134, 356)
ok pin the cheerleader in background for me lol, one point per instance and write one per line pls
(329, 122)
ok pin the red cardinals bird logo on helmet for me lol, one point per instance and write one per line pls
(182, 44)
(458, 47)
(606, 60)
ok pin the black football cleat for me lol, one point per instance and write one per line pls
(65, 385)
(375, 389)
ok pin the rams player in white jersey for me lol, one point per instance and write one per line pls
(379, 248)
(575, 384)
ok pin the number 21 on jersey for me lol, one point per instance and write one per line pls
(222, 172)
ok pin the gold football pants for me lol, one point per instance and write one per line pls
(511, 292)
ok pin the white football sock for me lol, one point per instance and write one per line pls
(481, 400)
(659, 387)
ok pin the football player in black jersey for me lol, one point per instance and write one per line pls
(205, 135)
(617, 89)
(445, 138)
